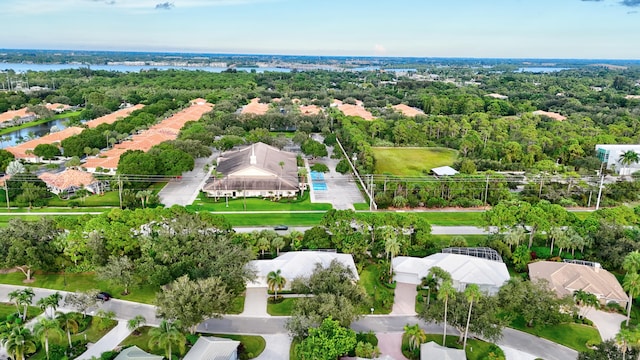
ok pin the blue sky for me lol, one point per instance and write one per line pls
(423, 28)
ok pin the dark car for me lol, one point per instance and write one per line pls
(281, 227)
(104, 296)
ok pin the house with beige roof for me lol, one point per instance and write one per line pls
(257, 170)
(65, 184)
(565, 278)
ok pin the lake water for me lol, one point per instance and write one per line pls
(21, 68)
(32, 132)
(541, 69)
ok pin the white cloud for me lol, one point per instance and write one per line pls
(379, 49)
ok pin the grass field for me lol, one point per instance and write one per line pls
(411, 161)
(446, 218)
(380, 295)
(203, 203)
(7, 309)
(574, 336)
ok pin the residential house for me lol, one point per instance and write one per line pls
(298, 264)
(258, 170)
(610, 155)
(135, 353)
(213, 348)
(566, 278)
(431, 350)
(65, 184)
(488, 274)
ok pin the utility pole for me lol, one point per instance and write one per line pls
(600, 191)
(371, 192)
(120, 190)
(6, 193)
(486, 192)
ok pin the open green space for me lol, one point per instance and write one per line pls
(109, 198)
(574, 336)
(411, 161)
(253, 345)
(7, 309)
(361, 206)
(476, 349)
(381, 295)
(38, 122)
(282, 307)
(204, 203)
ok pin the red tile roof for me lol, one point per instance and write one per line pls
(67, 179)
(9, 115)
(19, 151)
(408, 110)
(111, 118)
(255, 107)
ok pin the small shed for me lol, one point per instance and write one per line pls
(444, 171)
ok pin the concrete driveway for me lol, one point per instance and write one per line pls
(404, 300)
(255, 302)
(513, 354)
(608, 324)
(390, 343)
(277, 347)
(184, 191)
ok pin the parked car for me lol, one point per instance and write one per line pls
(104, 296)
(281, 227)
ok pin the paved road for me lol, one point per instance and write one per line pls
(184, 191)
(435, 230)
(237, 324)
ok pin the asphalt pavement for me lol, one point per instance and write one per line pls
(185, 190)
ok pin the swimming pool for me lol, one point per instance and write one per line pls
(317, 176)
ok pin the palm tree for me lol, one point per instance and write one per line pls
(391, 247)
(19, 342)
(431, 282)
(415, 335)
(281, 164)
(555, 233)
(445, 292)
(278, 243)
(514, 237)
(13, 297)
(50, 302)
(627, 159)
(44, 329)
(263, 244)
(631, 283)
(68, 323)
(623, 338)
(472, 293)
(631, 262)
(165, 336)
(22, 297)
(586, 300)
(136, 322)
(144, 195)
(276, 282)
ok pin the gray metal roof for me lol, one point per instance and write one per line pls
(212, 348)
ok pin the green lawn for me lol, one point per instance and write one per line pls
(282, 308)
(452, 218)
(380, 295)
(290, 219)
(574, 336)
(256, 204)
(110, 198)
(237, 306)
(411, 161)
(361, 206)
(7, 309)
(253, 345)
(81, 282)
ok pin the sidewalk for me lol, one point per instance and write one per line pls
(108, 342)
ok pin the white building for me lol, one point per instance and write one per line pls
(258, 170)
(489, 275)
(298, 264)
(610, 154)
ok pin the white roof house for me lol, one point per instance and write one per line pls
(298, 264)
(431, 350)
(444, 171)
(489, 275)
(213, 348)
(610, 154)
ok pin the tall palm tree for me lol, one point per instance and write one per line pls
(446, 292)
(631, 283)
(391, 247)
(415, 335)
(19, 342)
(623, 338)
(68, 323)
(431, 282)
(14, 298)
(50, 302)
(281, 164)
(136, 322)
(586, 300)
(45, 328)
(631, 262)
(263, 244)
(472, 293)
(165, 336)
(144, 195)
(276, 282)
(278, 243)
(22, 297)
(627, 159)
